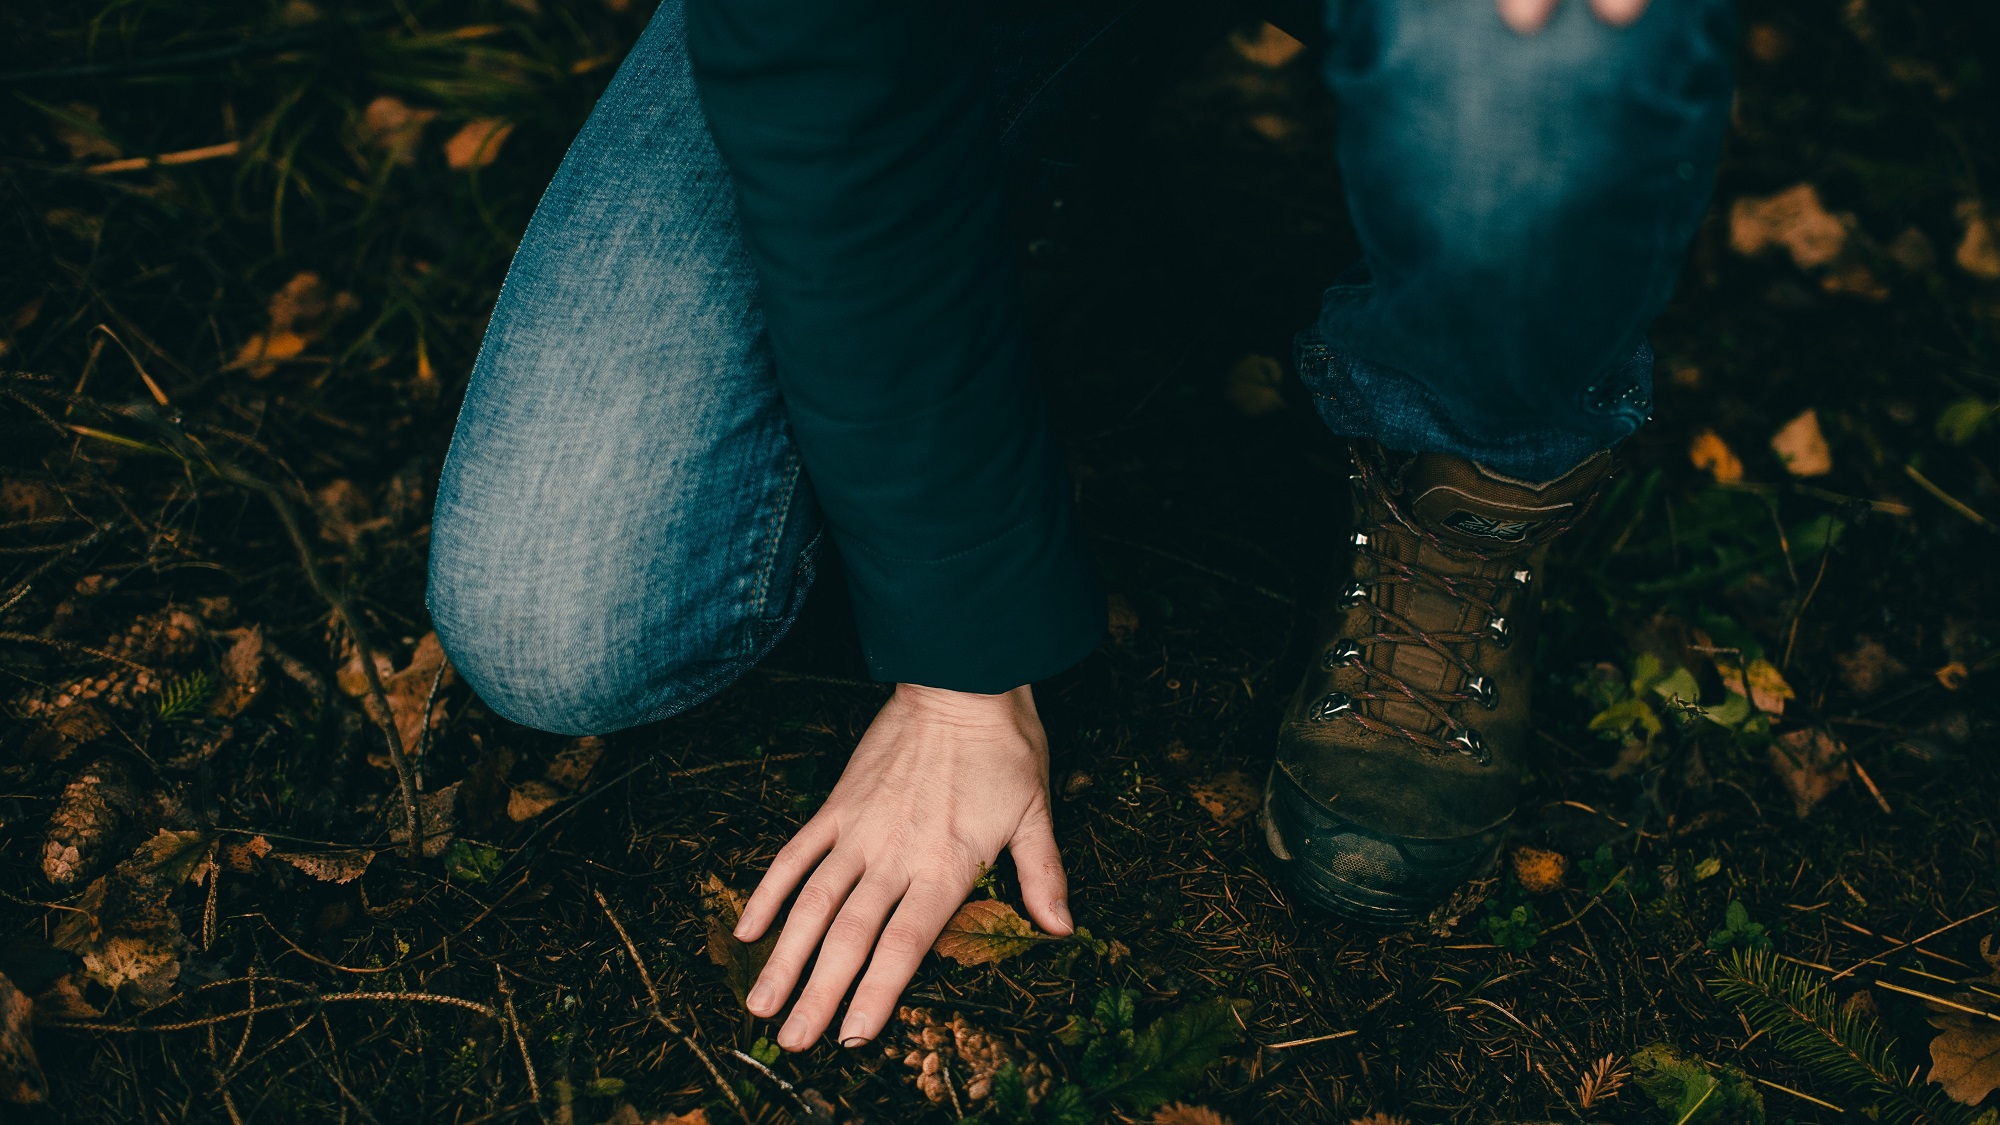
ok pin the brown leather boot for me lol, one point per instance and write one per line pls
(1400, 756)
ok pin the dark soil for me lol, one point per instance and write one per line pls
(1199, 232)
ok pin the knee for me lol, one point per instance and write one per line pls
(539, 657)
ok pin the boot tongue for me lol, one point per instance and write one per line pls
(1468, 505)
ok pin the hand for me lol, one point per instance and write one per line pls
(1528, 16)
(940, 783)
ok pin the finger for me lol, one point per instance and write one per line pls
(818, 900)
(917, 922)
(848, 941)
(1525, 16)
(789, 866)
(1618, 13)
(1044, 886)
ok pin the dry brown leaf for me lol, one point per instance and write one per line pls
(436, 812)
(1228, 797)
(125, 929)
(394, 127)
(1965, 1056)
(1272, 127)
(740, 961)
(1793, 219)
(531, 799)
(84, 145)
(1952, 676)
(344, 512)
(1180, 1114)
(22, 499)
(477, 143)
(1767, 44)
(21, 1079)
(1979, 251)
(985, 932)
(1802, 447)
(1811, 763)
(330, 867)
(1768, 689)
(243, 856)
(1121, 620)
(299, 313)
(242, 673)
(408, 689)
(573, 763)
(1869, 668)
(1268, 46)
(1381, 1119)
(1253, 383)
(1854, 279)
(63, 1000)
(1540, 870)
(93, 809)
(1712, 455)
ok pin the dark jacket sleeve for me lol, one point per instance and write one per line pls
(870, 197)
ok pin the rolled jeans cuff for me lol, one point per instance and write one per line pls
(1356, 398)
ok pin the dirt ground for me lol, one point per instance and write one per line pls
(248, 253)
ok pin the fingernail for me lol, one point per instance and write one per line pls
(760, 998)
(1062, 912)
(854, 1041)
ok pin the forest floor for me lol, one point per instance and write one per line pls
(248, 254)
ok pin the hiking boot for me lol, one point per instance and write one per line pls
(1400, 756)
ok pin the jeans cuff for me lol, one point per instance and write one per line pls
(1356, 398)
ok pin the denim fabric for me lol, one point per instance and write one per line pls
(623, 527)
(1523, 204)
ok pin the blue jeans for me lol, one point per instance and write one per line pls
(623, 527)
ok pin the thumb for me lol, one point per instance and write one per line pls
(1044, 887)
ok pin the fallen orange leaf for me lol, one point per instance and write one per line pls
(1802, 446)
(1713, 456)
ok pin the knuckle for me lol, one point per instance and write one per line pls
(901, 939)
(814, 900)
(849, 931)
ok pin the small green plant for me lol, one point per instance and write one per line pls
(765, 1051)
(1515, 929)
(1695, 1092)
(468, 862)
(1738, 931)
(186, 696)
(1122, 1064)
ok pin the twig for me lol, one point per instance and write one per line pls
(337, 998)
(1949, 501)
(1870, 783)
(1792, 634)
(659, 1016)
(1310, 1040)
(1995, 1017)
(520, 1040)
(1877, 959)
(806, 1108)
(1797, 1094)
(166, 159)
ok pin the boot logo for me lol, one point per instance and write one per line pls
(1486, 527)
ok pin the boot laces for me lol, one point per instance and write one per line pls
(1448, 734)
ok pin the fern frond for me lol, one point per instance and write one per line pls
(1798, 1011)
(185, 696)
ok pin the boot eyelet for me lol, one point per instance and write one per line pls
(1485, 691)
(1354, 595)
(1498, 628)
(1345, 652)
(1471, 745)
(1523, 576)
(1360, 539)
(1331, 704)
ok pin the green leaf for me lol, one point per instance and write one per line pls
(767, 1052)
(1963, 420)
(1010, 1096)
(1066, 1105)
(1175, 1051)
(1690, 1094)
(1115, 1009)
(472, 863)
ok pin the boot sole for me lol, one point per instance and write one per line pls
(1333, 866)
